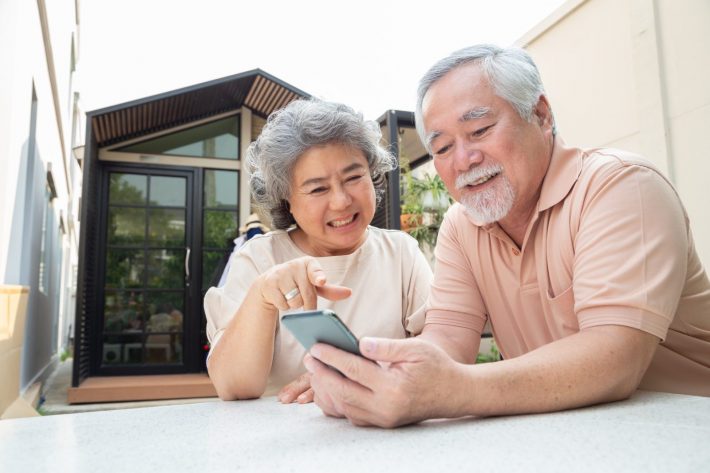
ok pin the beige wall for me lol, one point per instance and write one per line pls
(634, 74)
(13, 309)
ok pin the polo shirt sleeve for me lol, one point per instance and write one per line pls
(631, 250)
(455, 298)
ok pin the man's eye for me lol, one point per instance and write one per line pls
(481, 131)
(442, 150)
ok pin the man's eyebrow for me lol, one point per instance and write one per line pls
(317, 180)
(475, 113)
(431, 137)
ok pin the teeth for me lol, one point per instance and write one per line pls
(483, 179)
(340, 223)
(480, 175)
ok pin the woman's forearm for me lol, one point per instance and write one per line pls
(240, 363)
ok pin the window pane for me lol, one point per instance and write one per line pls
(218, 139)
(120, 349)
(164, 348)
(123, 312)
(220, 228)
(221, 189)
(166, 227)
(126, 226)
(166, 269)
(168, 191)
(124, 268)
(127, 189)
(211, 272)
(165, 311)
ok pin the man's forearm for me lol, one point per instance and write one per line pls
(460, 344)
(602, 364)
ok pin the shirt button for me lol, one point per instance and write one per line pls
(516, 252)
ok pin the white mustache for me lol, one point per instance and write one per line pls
(475, 174)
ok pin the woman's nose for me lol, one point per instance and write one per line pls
(340, 198)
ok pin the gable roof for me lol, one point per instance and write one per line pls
(255, 89)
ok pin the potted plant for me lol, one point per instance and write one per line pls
(424, 202)
(435, 197)
(411, 210)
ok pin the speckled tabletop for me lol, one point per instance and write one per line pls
(650, 432)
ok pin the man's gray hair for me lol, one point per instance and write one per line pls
(510, 71)
(295, 129)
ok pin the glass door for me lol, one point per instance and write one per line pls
(147, 317)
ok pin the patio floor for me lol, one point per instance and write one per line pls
(54, 399)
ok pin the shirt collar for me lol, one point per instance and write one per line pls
(562, 173)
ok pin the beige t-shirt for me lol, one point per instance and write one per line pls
(610, 244)
(389, 276)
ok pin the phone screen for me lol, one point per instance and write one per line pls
(321, 326)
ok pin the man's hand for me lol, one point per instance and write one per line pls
(413, 380)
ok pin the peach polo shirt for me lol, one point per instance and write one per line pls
(610, 243)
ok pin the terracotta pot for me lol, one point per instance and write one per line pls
(407, 221)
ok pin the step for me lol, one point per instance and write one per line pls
(141, 388)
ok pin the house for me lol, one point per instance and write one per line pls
(164, 193)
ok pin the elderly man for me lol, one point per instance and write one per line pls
(582, 261)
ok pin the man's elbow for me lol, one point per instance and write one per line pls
(623, 389)
(630, 379)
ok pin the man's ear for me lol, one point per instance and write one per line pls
(543, 113)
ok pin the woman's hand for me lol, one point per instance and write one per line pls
(299, 390)
(296, 284)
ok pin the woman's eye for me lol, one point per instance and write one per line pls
(318, 190)
(353, 178)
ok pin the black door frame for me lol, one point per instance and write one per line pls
(193, 358)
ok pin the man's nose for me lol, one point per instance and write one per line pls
(466, 156)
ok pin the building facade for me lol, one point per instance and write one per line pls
(634, 74)
(40, 124)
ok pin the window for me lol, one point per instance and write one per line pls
(218, 139)
(220, 220)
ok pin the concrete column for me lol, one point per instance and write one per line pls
(649, 76)
(244, 142)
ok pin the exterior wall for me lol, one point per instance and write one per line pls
(633, 74)
(37, 106)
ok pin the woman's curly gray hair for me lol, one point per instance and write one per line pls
(293, 130)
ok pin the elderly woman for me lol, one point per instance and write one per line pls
(317, 170)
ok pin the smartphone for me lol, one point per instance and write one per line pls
(321, 326)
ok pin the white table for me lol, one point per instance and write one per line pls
(650, 432)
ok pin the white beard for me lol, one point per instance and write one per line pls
(489, 205)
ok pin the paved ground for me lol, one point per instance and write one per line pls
(54, 400)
